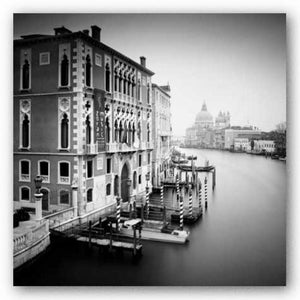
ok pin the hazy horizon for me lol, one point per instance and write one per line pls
(233, 62)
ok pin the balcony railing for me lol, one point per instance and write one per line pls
(24, 177)
(92, 148)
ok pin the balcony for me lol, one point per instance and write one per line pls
(25, 177)
(112, 147)
(124, 98)
(92, 149)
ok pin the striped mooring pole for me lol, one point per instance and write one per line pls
(190, 202)
(118, 213)
(177, 186)
(200, 195)
(147, 201)
(162, 195)
(205, 191)
(181, 211)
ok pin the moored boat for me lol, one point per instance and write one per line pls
(155, 231)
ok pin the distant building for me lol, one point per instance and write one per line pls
(232, 134)
(241, 144)
(264, 146)
(222, 120)
(161, 132)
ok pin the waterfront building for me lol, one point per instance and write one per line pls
(232, 134)
(264, 146)
(82, 120)
(161, 132)
(241, 144)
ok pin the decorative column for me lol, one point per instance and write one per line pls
(205, 191)
(190, 202)
(38, 198)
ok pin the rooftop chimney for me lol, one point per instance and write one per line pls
(143, 61)
(61, 30)
(96, 32)
(85, 31)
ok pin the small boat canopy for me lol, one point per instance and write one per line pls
(132, 222)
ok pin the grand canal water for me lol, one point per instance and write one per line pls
(239, 241)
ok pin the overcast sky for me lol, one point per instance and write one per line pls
(236, 63)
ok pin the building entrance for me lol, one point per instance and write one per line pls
(45, 199)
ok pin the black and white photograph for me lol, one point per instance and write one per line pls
(149, 149)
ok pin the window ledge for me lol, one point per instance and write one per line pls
(67, 87)
(24, 148)
(25, 91)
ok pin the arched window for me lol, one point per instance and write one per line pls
(116, 185)
(64, 71)
(128, 86)
(25, 75)
(133, 89)
(64, 132)
(107, 128)
(89, 195)
(107, 77)
(63, 172)
(88, 69)
(129, 134)
(116, 131)
(120, 84)
(88, 130)
(25, 193)
(139, 89)
(124, 85)
(139, 130)
(125, 133)
(24, 170)
(148, 132)
(25, 131)
(133, 133)
(134, 180)
(44, 170)
(108, 189)
(116, 82)
(148, 93)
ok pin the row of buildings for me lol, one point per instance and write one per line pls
(88, 119)
(205, 133)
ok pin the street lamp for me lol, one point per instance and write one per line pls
(38, 196)
(38, 183)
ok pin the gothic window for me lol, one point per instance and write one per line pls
(108, 165)
(89, 195)
(25, 193)
(25, 75)
(107, 77)
(125, 133)
(88, 130)
(139, 89)
(107, 128)
(25, 115)
(120, 133)
(64, 132)
(116, 131)
(120, 84)
(128, 86)
(134, 180)
(148, 93)
(25, 69)
(133, 133)
(140, 179)
(64, 123)
(139, 130)
(88, 70)
(148, 132)
(64, 71)
(25, 132)
(140, 160)
(116, 82)
(124, 85)
(132, 89)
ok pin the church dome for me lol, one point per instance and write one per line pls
(204, 116)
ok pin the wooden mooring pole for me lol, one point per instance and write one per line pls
(162, 194)
(205, 191)
(190, 202)
(181, 211)
(214, 178)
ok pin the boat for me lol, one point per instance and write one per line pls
(282, 158)
(155, 231)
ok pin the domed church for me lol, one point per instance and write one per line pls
(204, 119)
